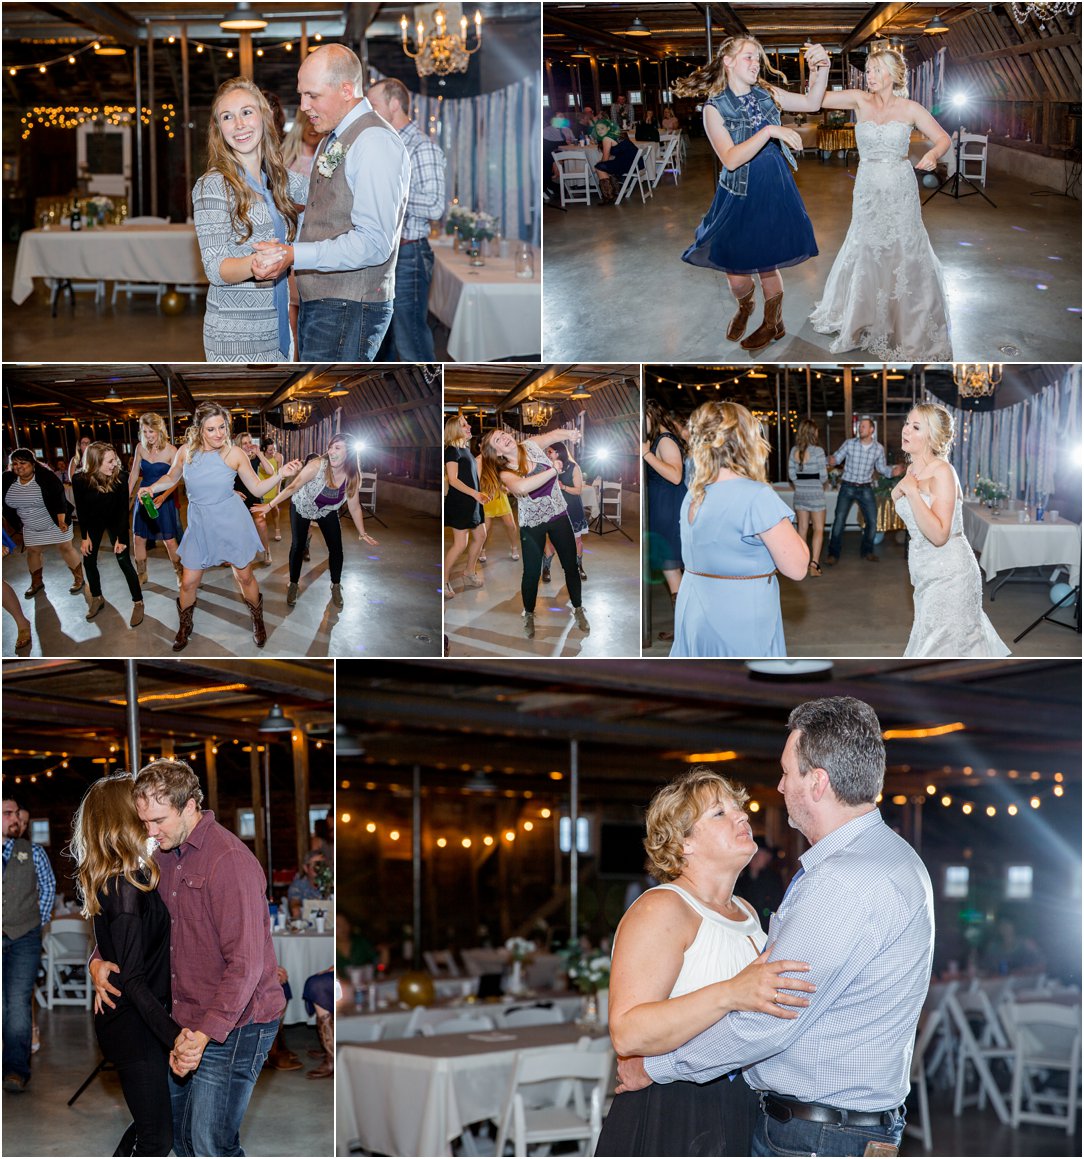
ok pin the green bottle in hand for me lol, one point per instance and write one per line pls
(148, 506)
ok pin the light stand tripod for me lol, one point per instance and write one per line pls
(957, 177)
(1073, 599)
(596, 525)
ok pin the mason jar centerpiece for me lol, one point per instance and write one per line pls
(990, 492)
(472, 228)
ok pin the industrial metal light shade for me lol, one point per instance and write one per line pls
(936, 27)
(637, 28)
(241, 18)
(276, 721)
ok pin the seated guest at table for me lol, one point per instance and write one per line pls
(303, 887)
(319, 996)
(585, 122)
(1006, 952)
(618, 154)
(246, 196)
(670, 122)
(554, 135)
(647, 130)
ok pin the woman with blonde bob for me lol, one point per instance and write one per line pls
(246, 196)
(118, 881)
(220, 529)
(736, 533)
(885, 292)
(152, 459)
(949, 620)
(687, 953)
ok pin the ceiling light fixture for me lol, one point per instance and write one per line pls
(241, 18)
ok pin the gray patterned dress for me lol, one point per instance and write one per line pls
(242, 322)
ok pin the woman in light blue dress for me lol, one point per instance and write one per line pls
(736, 533)
(220, 528)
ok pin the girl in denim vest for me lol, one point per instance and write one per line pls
(757, 222)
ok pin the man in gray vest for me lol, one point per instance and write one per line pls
(344, 261)
(29, 890)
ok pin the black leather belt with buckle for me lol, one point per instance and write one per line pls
(783, 1110)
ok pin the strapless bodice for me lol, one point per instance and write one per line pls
(888, 142)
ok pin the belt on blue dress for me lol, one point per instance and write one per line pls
(783, 1110)
(709, 575)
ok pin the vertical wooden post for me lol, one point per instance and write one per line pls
(152, 142)
(186, 113)
(211, 762)
(300, 746)
(247, 60)
(848, 402)
(258, 806)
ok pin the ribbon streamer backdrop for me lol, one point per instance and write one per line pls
(297, 443)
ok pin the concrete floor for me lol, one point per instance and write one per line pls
(866, 609)
(489, 621)
(616, 289)
(391, 592)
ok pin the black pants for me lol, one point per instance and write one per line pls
(142, 1064)
(124, 562)
(333, 536)
(533, 541)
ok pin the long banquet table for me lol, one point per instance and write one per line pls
(113, 253)
(1003, 543)
(413, 1097)
(302, 955)
(489, 312)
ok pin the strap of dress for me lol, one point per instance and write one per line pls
(691, 901)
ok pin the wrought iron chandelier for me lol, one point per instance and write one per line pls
(976, 379)
(537, 414)
(439, 50)
(296, 414)
(1042, 11)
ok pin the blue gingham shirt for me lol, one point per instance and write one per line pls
(427, 169)
(44, 872)
(861, 460)
(861, 915)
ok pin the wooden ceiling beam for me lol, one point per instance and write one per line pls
(731, 22)
(104, 19)
(1028, 47)
(876, 19)
(74, 401)
(530, 383)
(583, 34)
(296, 383)
(173, 379)
(281, 678)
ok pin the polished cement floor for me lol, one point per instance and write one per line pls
(288, 1114)
(488, 621)
(391, 594)
(866, 609)
(616, 289)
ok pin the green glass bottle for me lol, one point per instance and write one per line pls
(148, 506)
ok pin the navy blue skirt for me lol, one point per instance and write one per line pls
(765, 230)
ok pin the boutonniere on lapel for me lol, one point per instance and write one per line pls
(331, 158)
(22, 855)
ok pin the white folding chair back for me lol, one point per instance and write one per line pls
(464, 1024)
(918, 1121)
(358, 1030)
(424, 1021)
(972, 1052)
(529, 1120)
(973, 156)
(634, 177)
(367, 499)
(531, 1016)
(575, 177)
(666, 162)
(68, 942)
(440, 963)
(611, 502)
(1047, 1038)
(483, 960)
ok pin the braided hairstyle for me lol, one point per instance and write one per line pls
(725, 434)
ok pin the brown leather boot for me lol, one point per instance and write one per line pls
(771, 329)
(281, 1057)
(607, 190)
(141, 569)
(259, 632)
(326, 1029)
(77, 579)
(738, 323)
(37, 584)
(185, 629)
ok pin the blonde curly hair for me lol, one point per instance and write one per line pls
(940, 427)
(676, 808)
(725, 434)
(892, 61)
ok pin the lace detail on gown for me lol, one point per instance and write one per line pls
(885, 292)
(949, 620)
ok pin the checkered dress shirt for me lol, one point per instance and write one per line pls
(427, 169)
(861, 461)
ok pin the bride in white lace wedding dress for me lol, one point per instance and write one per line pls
(949, 620)
(885, 293)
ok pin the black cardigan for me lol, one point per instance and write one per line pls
(52, 493)
(100, 511)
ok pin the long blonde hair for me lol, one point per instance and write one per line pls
(710, 79)
(493, 463)
(453, 436)
(108, 840)
(725, 434)
(193, 437)
(808, 436)
(157, 424)
(895, 65)
(221, 160)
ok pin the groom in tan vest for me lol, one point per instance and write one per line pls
(344, 260)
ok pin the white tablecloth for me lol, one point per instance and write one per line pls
(786, 493)
(490, 312)
(594, 155)
(1003, 542)
(415, 1096)
(303, 955)
(118, 253)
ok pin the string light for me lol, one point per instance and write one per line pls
(442, 842)
(70, 117)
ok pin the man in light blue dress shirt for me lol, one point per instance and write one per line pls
(860, 911)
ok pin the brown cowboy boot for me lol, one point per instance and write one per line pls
(185, 629)
(771, 329)
(607, 190)
(259, 632)
(738, 323)
(281, 1057)
(77, 579)
(141, 569)
(326, 1029)
(37, 584)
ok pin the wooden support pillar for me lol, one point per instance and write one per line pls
(258, 806)
(210, 758)
(248, 69)
(168, 749)
(152, 144)
(595, 86)
(848, 402)
(186, 114)
(549, 88)
(300, 747)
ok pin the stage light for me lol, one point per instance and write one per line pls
(602, 454)
(958, 100)
(358, 446)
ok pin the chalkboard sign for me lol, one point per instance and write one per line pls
(105, 152)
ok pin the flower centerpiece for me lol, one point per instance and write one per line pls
(990, 492)
(97, 209)
(589, 971)
(474, 227)
(324, 879)
(519, 951)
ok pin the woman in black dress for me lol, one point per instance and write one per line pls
(462, 504)
(101, 505)
(570, 480)
(117, 881)
(663, 452)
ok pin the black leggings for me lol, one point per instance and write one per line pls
(333, 536)
(124, 562)
(533, 540)
(143, 1068)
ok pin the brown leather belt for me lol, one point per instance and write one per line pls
(411, 241)
(709, 575)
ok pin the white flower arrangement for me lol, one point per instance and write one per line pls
(469, 224)
(519, 949)
(331, 158)
(989, 489)
(101, 203)
(587, 970)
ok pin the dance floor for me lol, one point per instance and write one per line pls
(391, 594)
(865, 609)
(616, 289)
(489, 621)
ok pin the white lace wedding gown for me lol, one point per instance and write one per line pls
(885, 293)
(949, 620)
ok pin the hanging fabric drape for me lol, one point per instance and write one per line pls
(926, 83)
(1019, 446)
(299, 443)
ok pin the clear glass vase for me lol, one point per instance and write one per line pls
(475, 257)
(589, 1016)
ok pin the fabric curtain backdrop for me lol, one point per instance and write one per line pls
(1019, 445)
(296, 443)
(487, 143)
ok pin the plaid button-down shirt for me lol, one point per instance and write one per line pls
(427, 176)
(861, 460)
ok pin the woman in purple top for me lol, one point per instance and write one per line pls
(317, 494)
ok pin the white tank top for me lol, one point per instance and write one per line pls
(720, 949)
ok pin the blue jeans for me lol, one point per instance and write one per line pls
(850, 494)
(411, 338)
(22, 957)
(800, 1137)
(339, 330)
(210, 1102)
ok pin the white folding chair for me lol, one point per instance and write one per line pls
(367, 491)
(610, 501)
(440, 963)
(637, 176)
(929, 1024)
(978, 1052)
(461, 1024)
(358, 1030)
(68, 942)
(1047, 1037)
(547, 1122)
(576, 178)
(530, 1016)
(973, 150)
(665, 163)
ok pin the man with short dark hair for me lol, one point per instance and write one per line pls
(860, 910)
(411, 337)
(862, 457)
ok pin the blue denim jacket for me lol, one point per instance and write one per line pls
(741, 128)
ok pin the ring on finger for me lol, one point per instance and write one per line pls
(778, 999)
